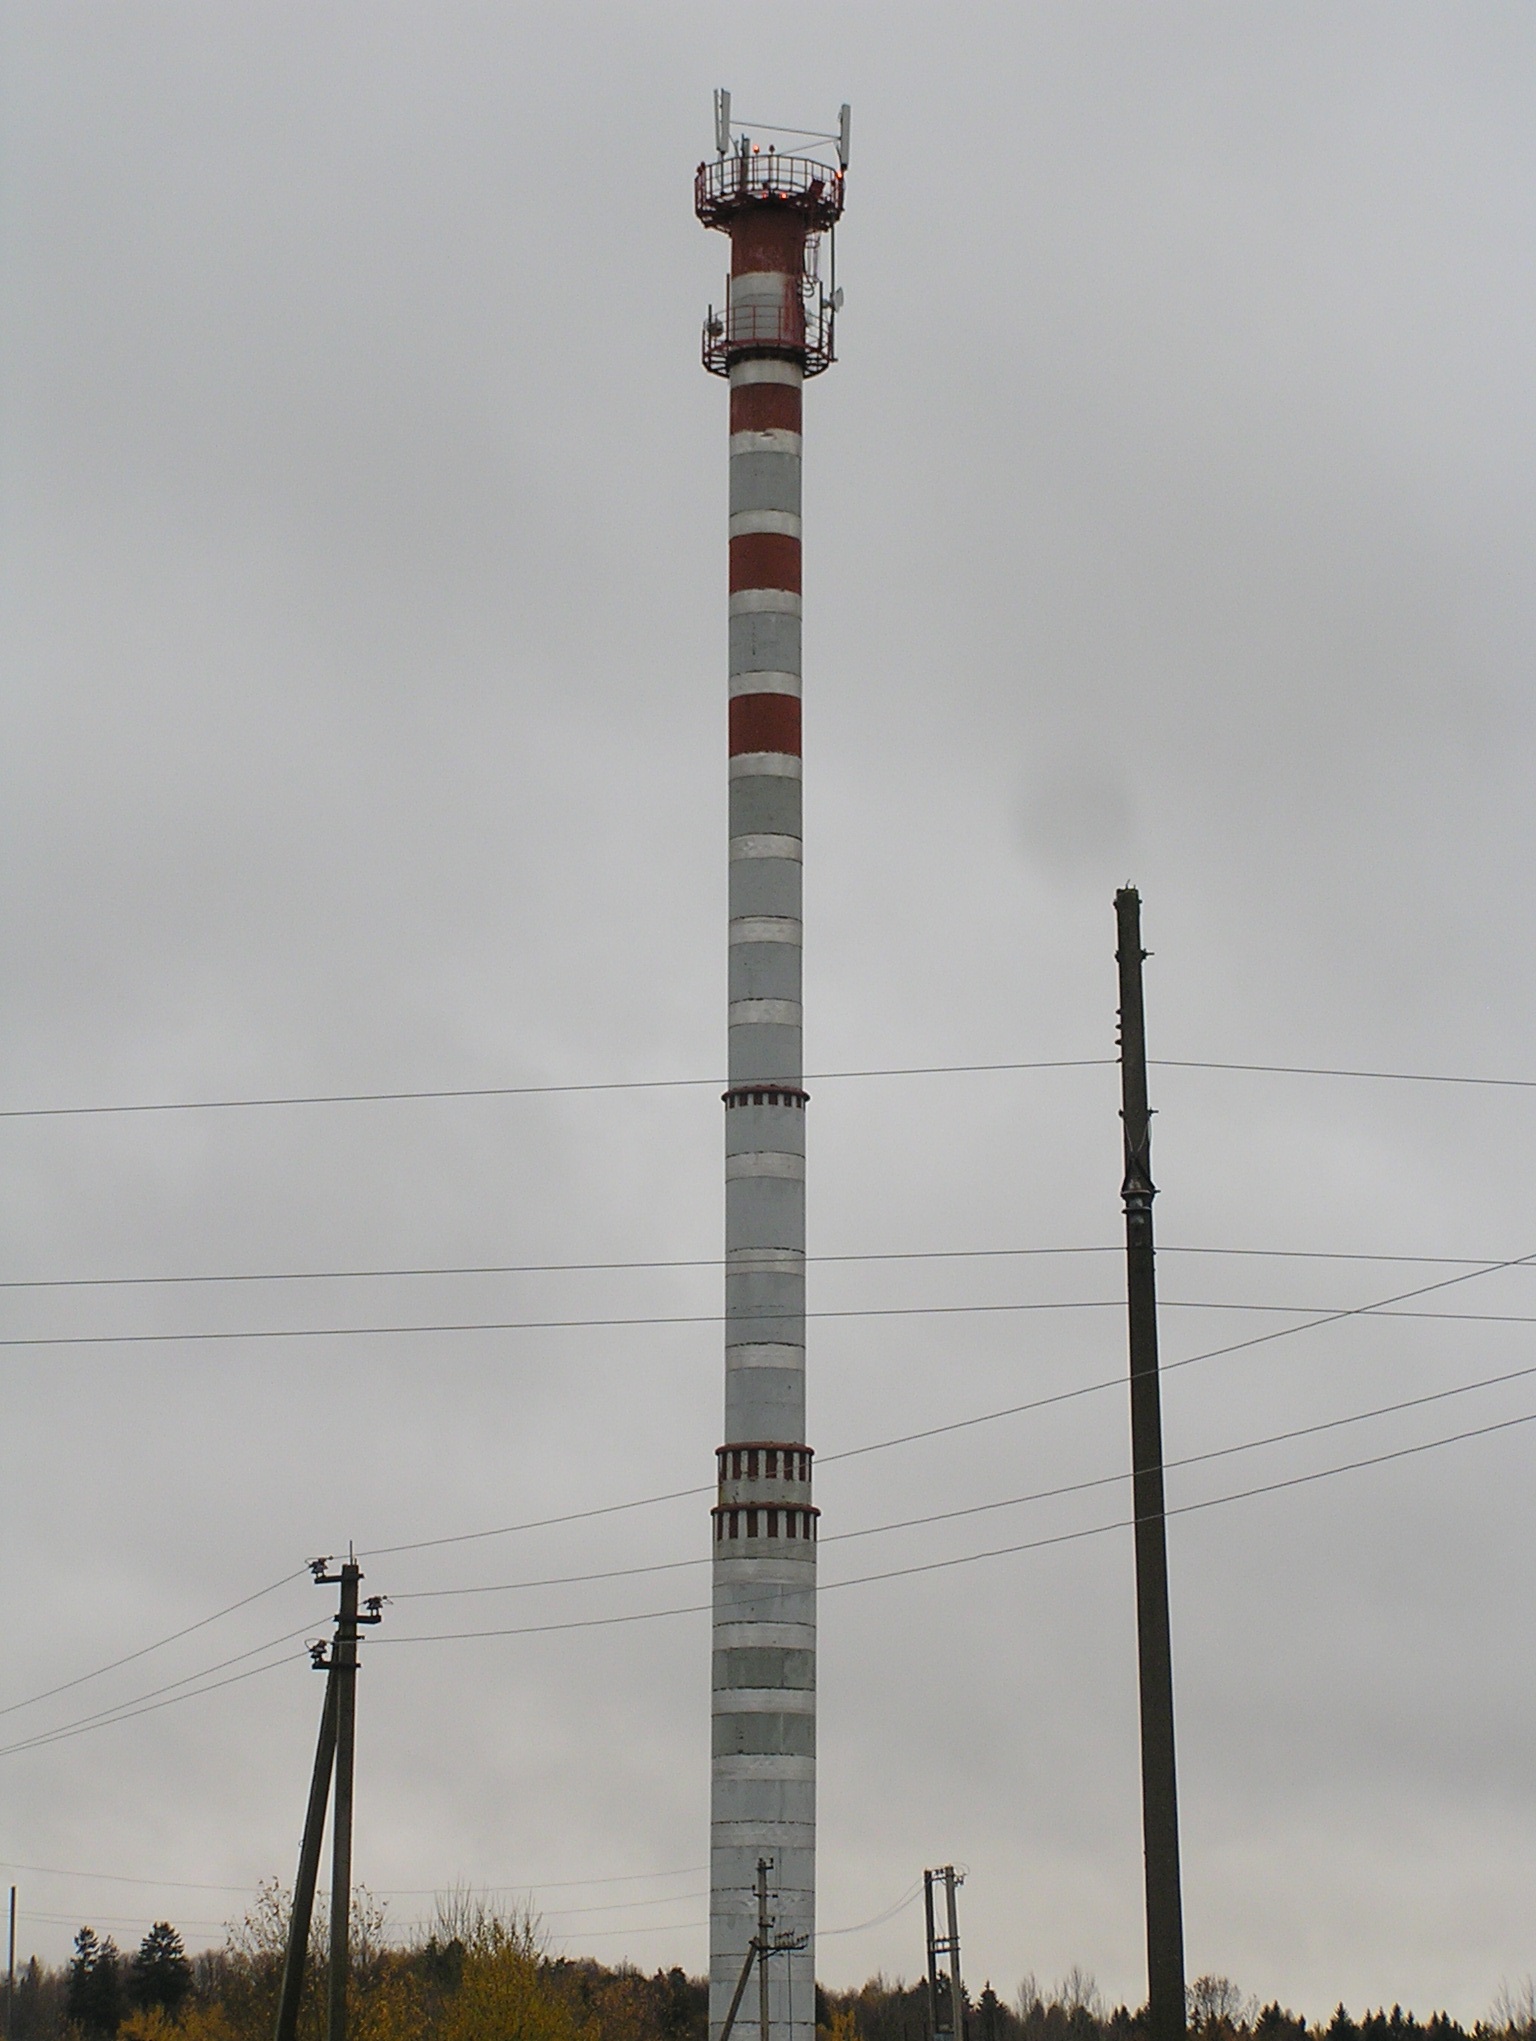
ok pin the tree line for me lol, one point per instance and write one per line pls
(1074, 2010)
(480, 1975)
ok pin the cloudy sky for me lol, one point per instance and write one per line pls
(1169, 519)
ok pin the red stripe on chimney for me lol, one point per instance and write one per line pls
(765, 723)
(765, 560)
(765, 407)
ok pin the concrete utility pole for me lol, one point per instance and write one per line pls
(344, 1660)
(946, 1992)
(344, 1671)
(1159, 1778)
(309, 1859)
(334, 1756)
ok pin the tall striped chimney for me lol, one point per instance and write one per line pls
(776, 329)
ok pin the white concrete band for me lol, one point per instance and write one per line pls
(769, 1353)
(765, 682)
(756, 602)
(757, 287)
(766, 370)
(759, 844)
(748, 1013)
(744, 523)
(765, 1162)
(766, 439)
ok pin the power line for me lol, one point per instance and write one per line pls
(562, 1268)
(104, 1715)
(123, 1710)
(1325, 1317)
(1304, 1431)
(961, 1423)
(151, 1705)
(1185, 1508)
(577, 1516)
(659, 1927)
(1314, 1070)
(1381, 1305)
(609, 1509)
(159, 1645)
(1292, 1310)
(374, 1098)
(650, 1928)
(106, 1722)
(116, 1878)
(572, 1912)
(548, 1268)
(562, 1913)
(132, 1920)
(378, 1891)
(483, 1091)
(551, 1884)
(993, 1552)
(982, 1508)
(541, 1324)
(115, 1920)
(1319, 1314)
(880, 1919)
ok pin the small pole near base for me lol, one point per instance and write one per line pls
(763, 1925)
(1154, 1649)
(946, 1992)
(10, 1975)
(740, 1992)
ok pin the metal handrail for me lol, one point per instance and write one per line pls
(723, 187)
(800, 324)
(806, 333)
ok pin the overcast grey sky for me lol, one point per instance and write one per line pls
(1169, 519)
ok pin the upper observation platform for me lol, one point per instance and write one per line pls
(775, 204)
(751, 178)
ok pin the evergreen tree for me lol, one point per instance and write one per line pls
(1275, 2023)
(1341, 2027)
(160, 1974)
(95, 2000)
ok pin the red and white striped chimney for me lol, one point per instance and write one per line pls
(776, 329)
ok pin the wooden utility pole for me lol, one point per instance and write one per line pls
(1159, 1779)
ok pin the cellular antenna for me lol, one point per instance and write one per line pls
(843, 117)
(723, 121)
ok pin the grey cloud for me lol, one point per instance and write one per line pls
(1168, 519)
